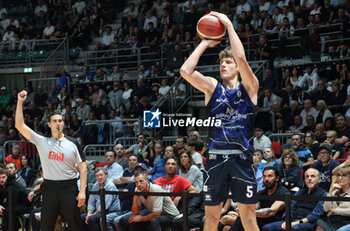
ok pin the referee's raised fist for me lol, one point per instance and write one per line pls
(22, 96)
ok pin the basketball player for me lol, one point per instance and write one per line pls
(59, 156)
(230, 161)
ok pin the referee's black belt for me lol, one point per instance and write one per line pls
(60, 181)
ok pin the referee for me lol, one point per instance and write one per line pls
(59, 156)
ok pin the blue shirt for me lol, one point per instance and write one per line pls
(115, 171)
(111, 200)
(326, 173)
(261, 166)
(236, 111)
(304, 155)
(158, 170)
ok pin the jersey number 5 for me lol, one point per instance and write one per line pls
(249, 191)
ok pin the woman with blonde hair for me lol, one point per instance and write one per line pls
(195, 137)
(289, 170)
(338, 212)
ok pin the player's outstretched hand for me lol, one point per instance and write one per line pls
(222, 17)
(211, 43)
(22, 96)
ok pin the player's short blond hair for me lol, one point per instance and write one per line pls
(226, 53)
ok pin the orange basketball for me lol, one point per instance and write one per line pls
(210, 27)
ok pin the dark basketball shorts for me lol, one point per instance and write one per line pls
(229, 172)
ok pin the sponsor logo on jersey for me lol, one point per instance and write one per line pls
(56, 156)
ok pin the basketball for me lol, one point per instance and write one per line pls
(210, 27)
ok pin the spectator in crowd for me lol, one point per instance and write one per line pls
(289, 170)
(321, 93)
(116, 74)
(26, 171)
(20, 203)
(338, 94)
(173, 182)
(83, 110)
(196, 137)
(196, 156)
(310, 124)
(164, 87)
(311, 143)
(180, 145)
(310, 79)
(141, 89)
(257, 159)
(325, 166)
(160, 210)
(268, 211)
(320, 132)
(11, 169)
(156, 155)
(159, 168)
(343, 131)
(141, 149)
(48, 30)
(150, 18)
(127, 93)
(269, 157)
(99, 109)
(260, 140)
(91, 219)
(337, 211)
(115, 171)
(337, 150)
(190, 171)
(4, 97)
(120, 159)
(305, 155)
(115, 95)
(86, 76)
(304, 213)
(15, 156)
(128, 174)
(269, 99)
(98, 94)
(308, 110)
(298, 124)
(106, 41)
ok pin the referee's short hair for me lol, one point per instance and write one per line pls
(101, 169)
(52, 114)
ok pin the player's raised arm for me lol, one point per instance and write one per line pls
(195, 78)
(19, 120)
(249, 80)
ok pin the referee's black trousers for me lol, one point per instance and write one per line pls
(60, 196)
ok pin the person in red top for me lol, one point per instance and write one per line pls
(15, 157)
(173, 182)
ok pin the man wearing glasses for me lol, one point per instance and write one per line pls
(325, 165)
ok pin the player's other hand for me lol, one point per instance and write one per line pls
(22, 96)
(211, 43)
(222, 17)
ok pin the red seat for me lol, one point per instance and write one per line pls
(126, 155)
(100, 164)
(345, 157)
(276, 146)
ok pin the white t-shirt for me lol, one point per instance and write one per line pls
(80, 6)
(48, 30)
(198, 160)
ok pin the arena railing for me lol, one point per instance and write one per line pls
(28, 53)
(130, 127)
(56, 60)
(287, 198)
(47, 83)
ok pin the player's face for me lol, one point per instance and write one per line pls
(312, 179)
(141, 183)
(56, 123)
(101, 177)
(228, 68)
(3, 179)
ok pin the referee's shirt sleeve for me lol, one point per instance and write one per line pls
(80, 150)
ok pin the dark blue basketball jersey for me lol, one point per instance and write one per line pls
(237, 114)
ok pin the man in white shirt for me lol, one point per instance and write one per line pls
(243, 6)
(48, 31)
(107, 40)
(5, 22)
(40, 7)
(80, 5)
(308, 110)
(150, 18)
(260, 140)
(310, 77)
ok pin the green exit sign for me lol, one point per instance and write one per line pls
(29, 69)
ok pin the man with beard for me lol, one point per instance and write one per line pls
(304, 213)
(269, 210)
